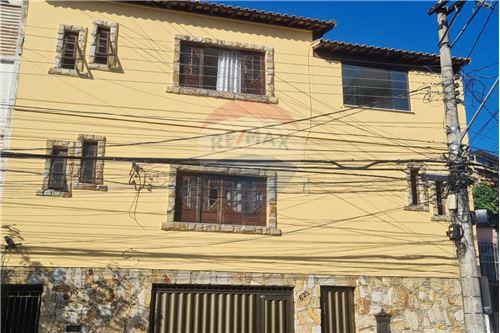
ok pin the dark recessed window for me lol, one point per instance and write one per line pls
(102, 47)
(375, 87)
(414, 186)
(219, 69)
(440, 198)
(337, 310)
(69, 50)
(89, 159)
(208, 198)
(20, 307)
(57, 176)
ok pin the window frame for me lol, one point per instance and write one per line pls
(433, 179)
(422, 194)
(98, 183)
(268, 69)
(394, 68)
(113, 63)
(270, 227)
(79, 68)
(222, 214)
(46, 189)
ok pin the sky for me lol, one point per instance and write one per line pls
(406, 25)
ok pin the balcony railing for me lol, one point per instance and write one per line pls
(488, 257)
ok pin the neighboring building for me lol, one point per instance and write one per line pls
(10, 20)
(484, 166)
(184, 166)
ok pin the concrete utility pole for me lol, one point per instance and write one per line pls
(469, 276)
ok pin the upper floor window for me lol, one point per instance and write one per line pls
(70, 50)
(89, 158)
(378, 87)
(103, 46)
(219, 69)
(208, 198)
(440, 198)
(414, 186)
(57, 175)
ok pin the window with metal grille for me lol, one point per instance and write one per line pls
(89, 159)
(440, 198)
(414, 186)
(209, 198)
(69, 50)
(337, 310)
(378, 87)
(57, 175)
(20, 308)
(229, 70)
(191, 308)
(102, 48)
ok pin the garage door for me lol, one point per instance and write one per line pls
(218, 309)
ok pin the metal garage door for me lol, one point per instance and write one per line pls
(218, 309)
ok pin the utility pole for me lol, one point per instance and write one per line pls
(469, 276)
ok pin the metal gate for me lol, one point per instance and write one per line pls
(221, 309)
(20, 308)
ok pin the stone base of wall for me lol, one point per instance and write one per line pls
(106, 300)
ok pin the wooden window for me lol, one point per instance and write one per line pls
(20, 307)
(57, 175)
(337, 310)
(103, 43)
(88, 164)
(440, 198)
(228, 70)
(206, 308)
(414, 186)
(379, 87)
(207, 198)
(69, 50)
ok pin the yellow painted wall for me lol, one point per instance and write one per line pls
(329, 226)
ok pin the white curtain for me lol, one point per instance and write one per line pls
(229, 72)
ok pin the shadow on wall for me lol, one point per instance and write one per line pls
(172, 17)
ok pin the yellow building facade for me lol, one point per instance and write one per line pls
(339, 208)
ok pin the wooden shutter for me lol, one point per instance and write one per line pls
(253, 74)
(187, 201)
(9, 26)
(414, 186)
(220, 309)
(57, 177)
(337, 310)
(191, 69)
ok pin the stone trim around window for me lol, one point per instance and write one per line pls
(269, 70)
(45, 191)
(113, 63)
(423, 197)
(79, 70)
(99, 173)
(431, 180)
(271, 227)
